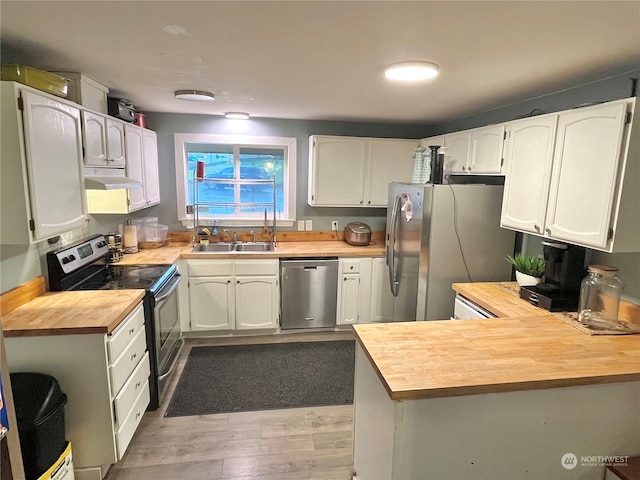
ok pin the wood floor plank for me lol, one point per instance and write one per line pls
(210, 470)
(215, 449)
(332, 440)
(278, 465)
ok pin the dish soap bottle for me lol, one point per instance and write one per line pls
(600, 297)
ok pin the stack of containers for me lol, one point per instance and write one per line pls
(151, 234)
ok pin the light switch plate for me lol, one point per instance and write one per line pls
(301, 225)
(308, 224)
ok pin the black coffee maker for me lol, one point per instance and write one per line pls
(563, 274)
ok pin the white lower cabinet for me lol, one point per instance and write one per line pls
(106, 380)
(354, 291)
(233, 294)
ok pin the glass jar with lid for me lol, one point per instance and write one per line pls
(600, 296)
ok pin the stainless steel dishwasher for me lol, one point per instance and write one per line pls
(309, 293)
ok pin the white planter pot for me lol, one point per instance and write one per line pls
(525, 280)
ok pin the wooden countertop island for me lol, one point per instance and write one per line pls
(502, 398)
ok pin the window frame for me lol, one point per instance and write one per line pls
(288, 144)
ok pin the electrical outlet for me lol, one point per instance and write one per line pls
(308, 225)
(301, 225)
(334, 225)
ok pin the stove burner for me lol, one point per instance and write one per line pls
(119, 284)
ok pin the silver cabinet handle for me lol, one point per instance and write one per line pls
(537, 227)
(548, 231)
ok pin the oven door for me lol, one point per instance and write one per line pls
(168, 342)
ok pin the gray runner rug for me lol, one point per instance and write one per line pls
(238, 378)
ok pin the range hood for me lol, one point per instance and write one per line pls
(108, 179)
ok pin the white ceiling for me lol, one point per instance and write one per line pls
(324, 60)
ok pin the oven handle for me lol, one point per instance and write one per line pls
(172, 286)
(174, 362)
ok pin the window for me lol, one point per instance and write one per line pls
(239, 177)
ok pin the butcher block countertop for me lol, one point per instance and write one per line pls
(71, 313)
(327, 248)
(417, 360)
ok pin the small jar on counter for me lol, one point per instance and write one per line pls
(600, 296)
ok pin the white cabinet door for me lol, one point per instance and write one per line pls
(337, 170)
(457, 152)
(53, 144)
(256, 301)
(485, 155)
(95, 138)
(135, 165)
(528, 156)
(381, 297)
(349, 299)
(151, 184)
(584, 174)
(354, 291)
(115, 143)
(389, 160)
(103, 140)
(211, 302)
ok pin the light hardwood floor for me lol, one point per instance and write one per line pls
(300, 443)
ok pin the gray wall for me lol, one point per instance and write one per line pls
(19, 264)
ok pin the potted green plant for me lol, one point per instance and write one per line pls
(529, 268)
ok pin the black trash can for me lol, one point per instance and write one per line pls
(39, 405)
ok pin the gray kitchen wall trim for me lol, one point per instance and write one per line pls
(21, 263)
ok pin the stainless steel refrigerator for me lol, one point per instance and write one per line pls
(438, 235)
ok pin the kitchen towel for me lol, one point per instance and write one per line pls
(237, 378)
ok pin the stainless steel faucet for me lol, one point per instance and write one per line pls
(253, 236)
(233, 235)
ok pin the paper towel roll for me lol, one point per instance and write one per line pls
(130, 239)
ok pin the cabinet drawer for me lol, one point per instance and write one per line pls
(133, 386)
(350, 266)
(208, 268)
(257, 267)
(120, 370)
(125, 332)
(131, 422)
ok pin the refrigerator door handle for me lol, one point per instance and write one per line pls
(392, 255)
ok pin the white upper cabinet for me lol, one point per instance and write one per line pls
(485, 150)
(41, 179)
(390, 160)
(355, 171)
(456, 153)
(141, 152)
(142, 165)
(585, 173)
(528, 156)
(471, 152)
(151, 177)
(103, 140)
(115, 142)
(578, 181)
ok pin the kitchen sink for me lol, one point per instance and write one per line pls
(254, 247)
(213, 247)
(233, 247)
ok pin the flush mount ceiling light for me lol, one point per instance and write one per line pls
(237, 115)
(411, 71)
(194, 95)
